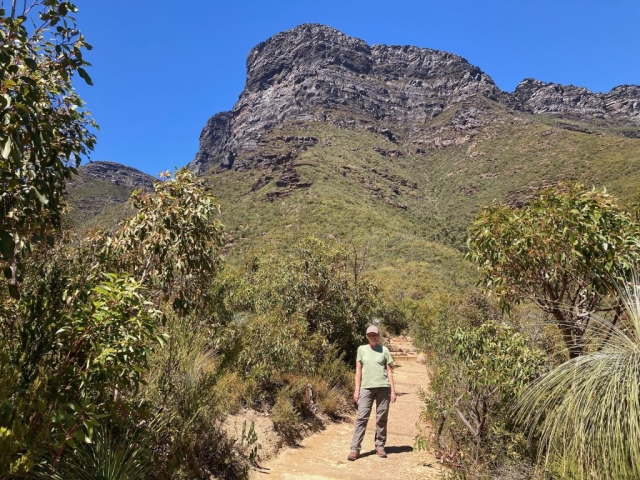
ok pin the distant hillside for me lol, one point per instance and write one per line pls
(394, 148)
(98, 195)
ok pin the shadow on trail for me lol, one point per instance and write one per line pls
(389, 450)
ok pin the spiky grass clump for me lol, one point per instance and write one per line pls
(109, 458)
(587, 410)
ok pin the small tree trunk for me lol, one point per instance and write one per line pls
(572, 339)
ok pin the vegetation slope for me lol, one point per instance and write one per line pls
(410, 207)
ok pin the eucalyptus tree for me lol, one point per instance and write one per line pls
(45, 127)
(565, 251)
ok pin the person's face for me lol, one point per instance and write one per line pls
(373, 338)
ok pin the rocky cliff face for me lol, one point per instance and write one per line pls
(621, 104)
(312, 72)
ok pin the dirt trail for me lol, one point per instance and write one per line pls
(324, 454)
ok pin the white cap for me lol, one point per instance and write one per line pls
(372, 329)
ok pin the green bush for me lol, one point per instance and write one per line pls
(591, 401)
(480, 367)
(317, 284)
(299, 319)
(125, 455)
(80, 342)
(286, 418)
(275, 343)
(396, 319)
(189, 391)
(564, 251)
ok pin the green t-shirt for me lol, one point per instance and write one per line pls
(374, 366)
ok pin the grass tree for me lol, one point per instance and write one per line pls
(564, 251)
(587, 410)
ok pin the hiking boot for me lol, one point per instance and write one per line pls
(381, 453)
(352, 456)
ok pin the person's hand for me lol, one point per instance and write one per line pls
(356, 396)
(393, 397)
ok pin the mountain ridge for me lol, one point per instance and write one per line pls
(99, 193)
(301, 73)
(393, 150)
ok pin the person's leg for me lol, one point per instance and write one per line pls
(383, 399)
(365, 402)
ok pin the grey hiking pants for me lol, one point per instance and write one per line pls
(382, 396)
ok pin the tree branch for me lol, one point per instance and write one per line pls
(464, 419)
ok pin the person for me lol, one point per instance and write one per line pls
(374, 381)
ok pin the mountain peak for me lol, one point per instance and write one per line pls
(317, 73)
(117, 174)
(311, 45)
(312, 71)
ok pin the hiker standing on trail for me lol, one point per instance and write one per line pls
(374, 381)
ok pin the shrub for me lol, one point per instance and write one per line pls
(480, 366)
(300, 319)
(172, 243)
(317, 284)
(45, 127)
(395, 319)
(187, 392)
(564, 251)
(275, 343)
(333, 385)
(81, 342)
(587, 409)
(286, 419)
(124, 455)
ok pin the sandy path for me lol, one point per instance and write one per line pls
(324, 454)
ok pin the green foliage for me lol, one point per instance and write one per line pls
(318, 283)
(45, 128)
(172, 243)
(296, 319)
(80, 342)
(587, 410)
(96, 203)
(480, 366)
(396, 318)
(81, 346)
(190, 391)
(286, 417)
(109, 457)
(564, 251)
(108, 339)
(21, 433)
(332, 386)
(274, 343)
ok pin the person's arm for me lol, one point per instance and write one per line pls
(356, 394)
(393, 385)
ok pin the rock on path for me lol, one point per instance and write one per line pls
(324, 455)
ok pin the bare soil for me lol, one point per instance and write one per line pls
(324, 454)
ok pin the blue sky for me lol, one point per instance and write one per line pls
(162, 68)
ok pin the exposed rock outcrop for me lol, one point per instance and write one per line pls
(312, 72)
(621, 104)
(118, 174)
